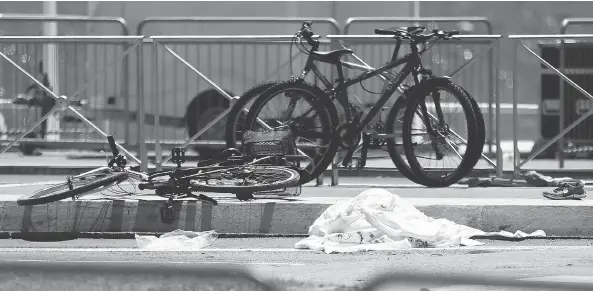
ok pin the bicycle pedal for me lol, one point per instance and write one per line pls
(178, 156)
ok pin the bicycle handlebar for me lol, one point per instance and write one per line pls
(307, 34)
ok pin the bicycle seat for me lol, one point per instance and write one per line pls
(332, 57)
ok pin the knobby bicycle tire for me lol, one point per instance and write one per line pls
(402, 165)
(237, 109)
(481, 126)
(322, 103)
(469, 157)
(61, 191)
(291, 180)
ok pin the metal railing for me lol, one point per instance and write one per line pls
(519, 42)
(453, 69)
(566, 24)
(72, 61)
(228, 20)
(61, 101)
(235, 65)
(167, 44)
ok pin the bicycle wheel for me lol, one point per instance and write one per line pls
(235, 122)
(395, 145)
(311, 117)
(440, 139)
(245, 179)
(77, 186)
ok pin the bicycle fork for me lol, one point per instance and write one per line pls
(434, 133)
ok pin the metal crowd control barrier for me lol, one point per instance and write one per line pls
(61, 102)
(166, 42)
(377, 22)
(492, 43)
(68, 87)
(297, 20)
(566, 23)
(234, 66)
(519, 42)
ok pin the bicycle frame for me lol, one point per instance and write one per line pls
(135, 175)
(105, 169)
(412, 61)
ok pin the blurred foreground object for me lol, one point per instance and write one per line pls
(89, 276)
(431, 282)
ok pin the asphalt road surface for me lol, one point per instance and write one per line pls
(275, 261)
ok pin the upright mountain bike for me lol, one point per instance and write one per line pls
(426, 135)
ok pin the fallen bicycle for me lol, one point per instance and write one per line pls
(232, 172)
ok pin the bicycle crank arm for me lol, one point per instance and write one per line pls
(366, 142)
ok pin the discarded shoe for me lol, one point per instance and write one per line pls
(567, 191)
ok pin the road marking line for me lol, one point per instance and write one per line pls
(84, 250)
(162, 262)
(562, 279)
(422, 250)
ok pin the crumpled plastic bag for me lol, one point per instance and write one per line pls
(377, 219)
(177, 240)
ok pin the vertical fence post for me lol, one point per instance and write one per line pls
(562, 107)
(141, 109)
(50, 66)
(156, 103)
(516, 155)
(496, 93)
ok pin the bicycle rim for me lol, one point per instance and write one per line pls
(78, 186)
(237, 117)
(424, 150)
(245, 179)
(304, 107)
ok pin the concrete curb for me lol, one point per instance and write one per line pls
(367, 172)
(291, 216)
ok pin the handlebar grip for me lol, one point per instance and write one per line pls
(306, 24)
(454, 32)
(384, 32)
(112, 145)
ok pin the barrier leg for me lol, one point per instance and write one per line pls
(61, 104)
(22, 135)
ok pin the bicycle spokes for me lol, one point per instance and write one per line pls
(432, 131)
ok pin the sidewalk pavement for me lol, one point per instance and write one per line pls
(69, 163)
